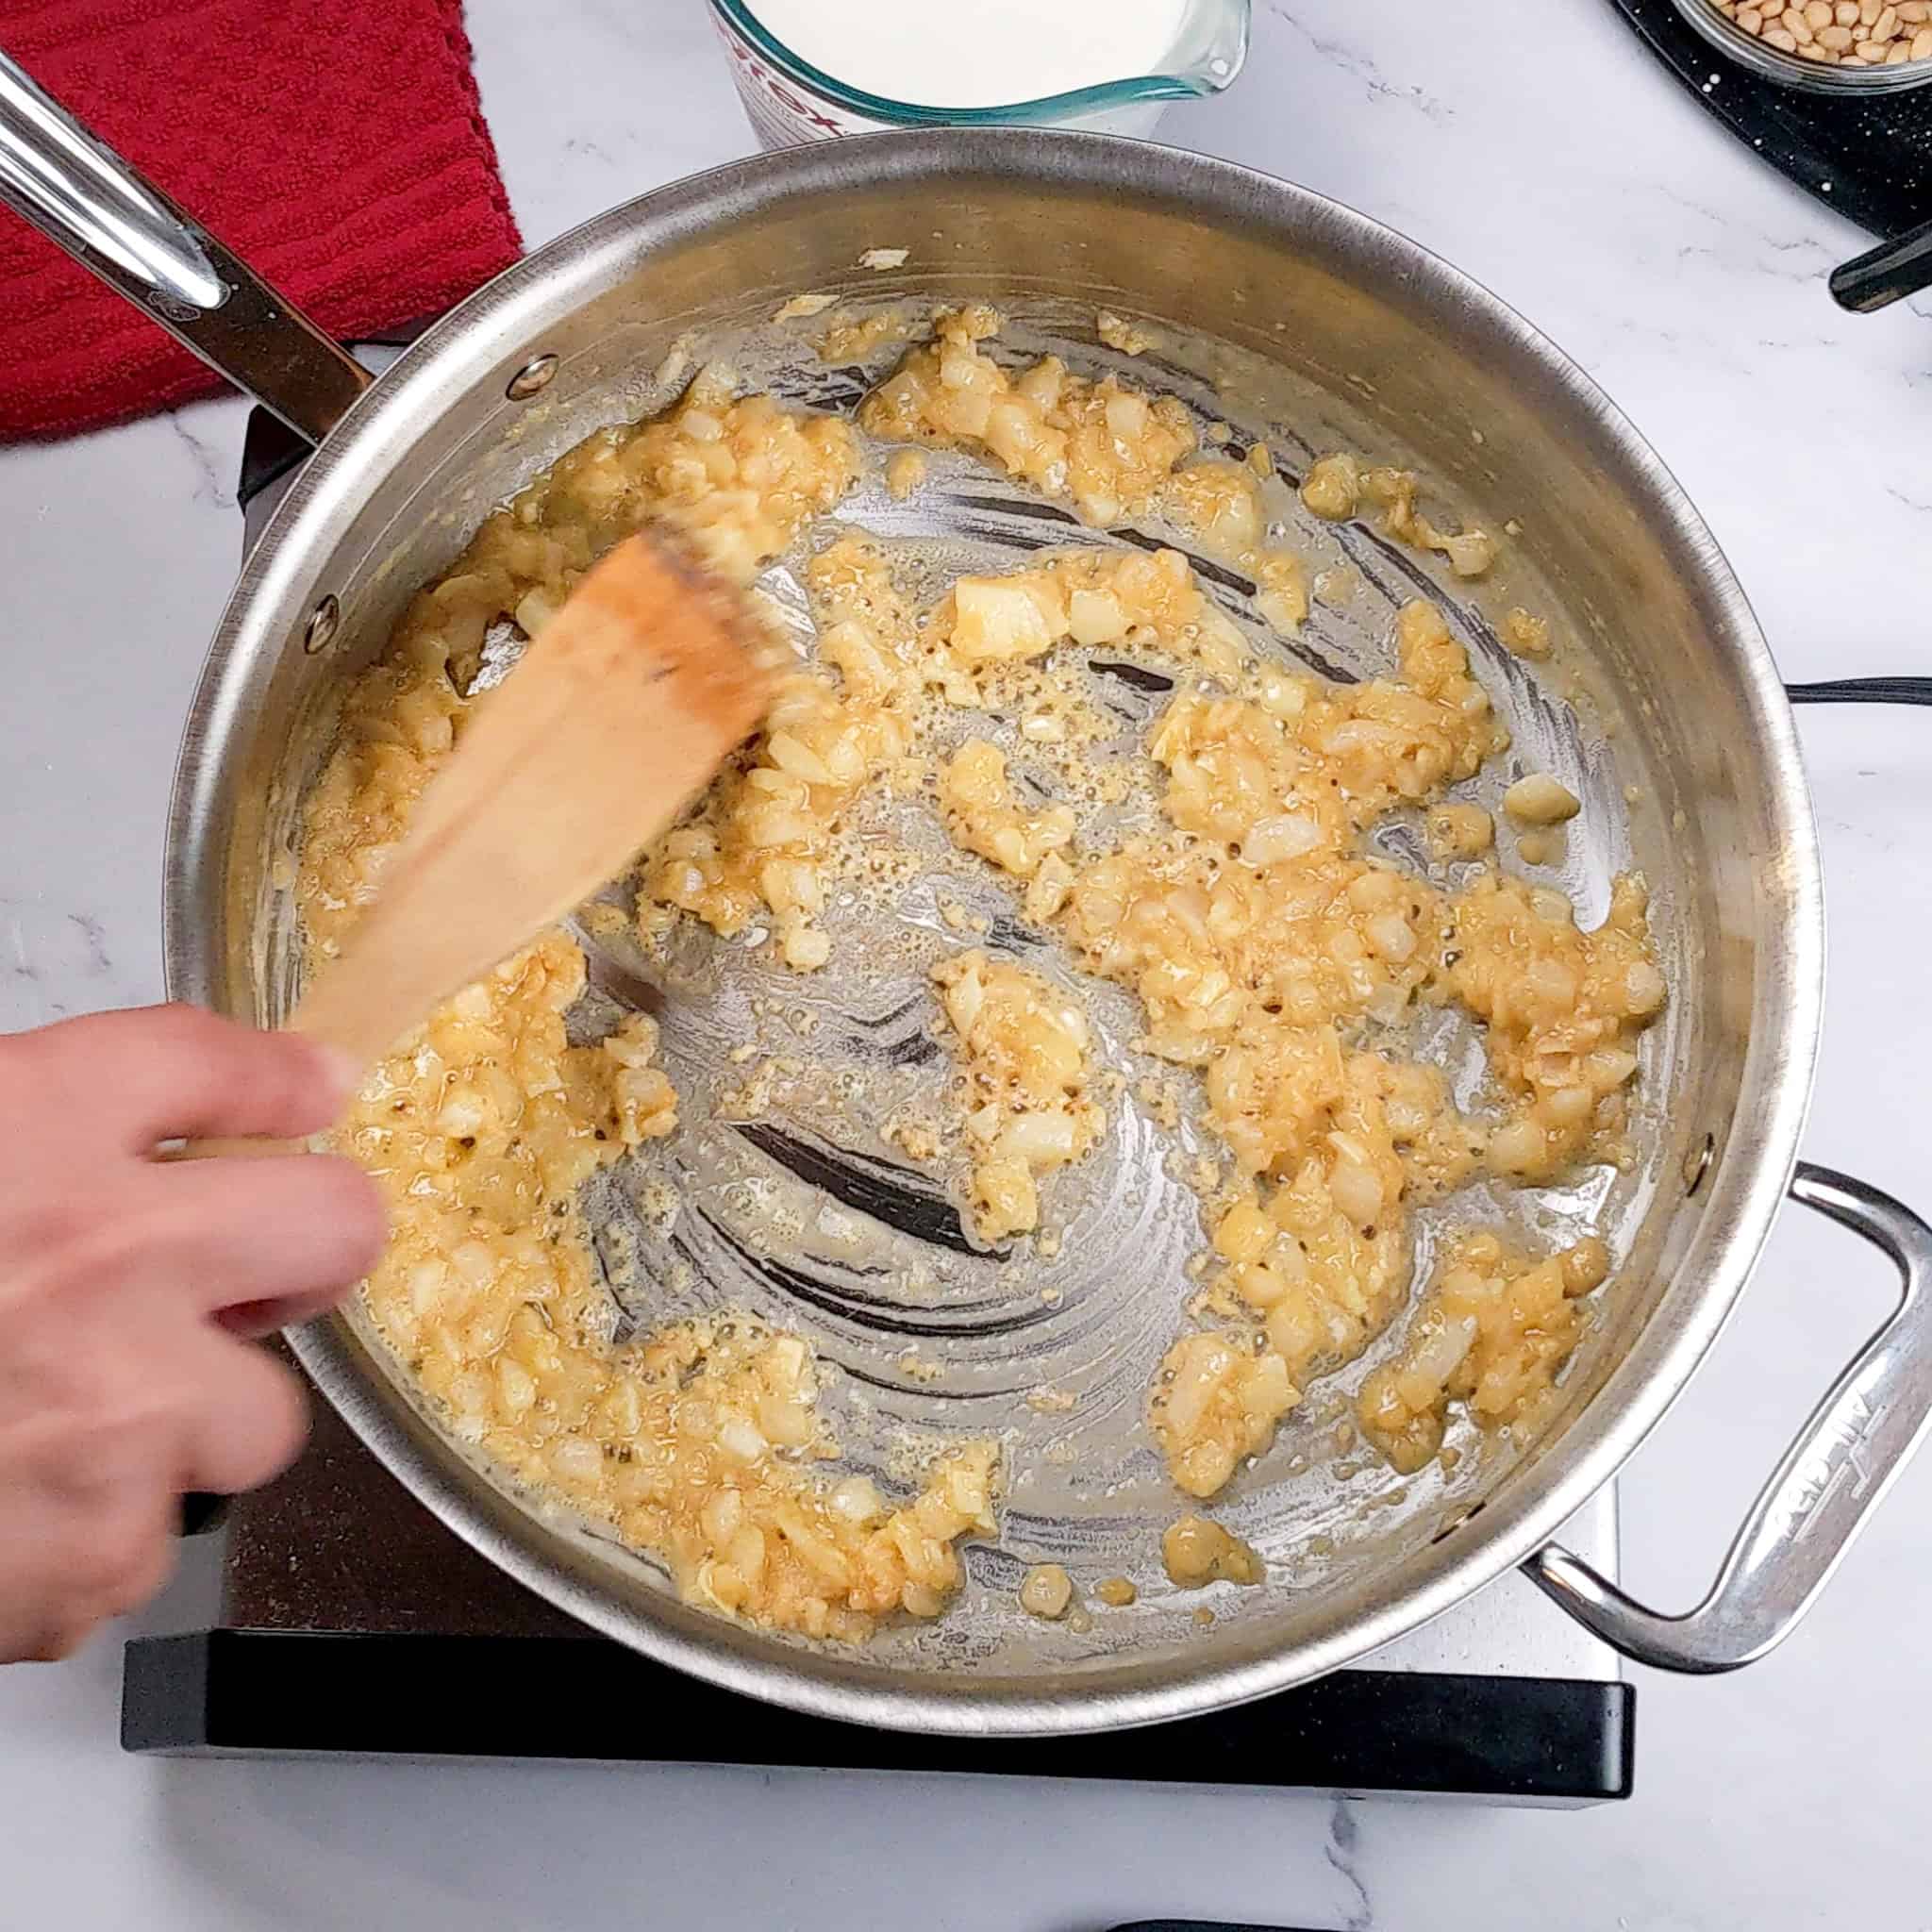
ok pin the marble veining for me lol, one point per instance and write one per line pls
(52, 963)
(1342, 1851)
(1361, 67)
(1535, 144)
(214, 483)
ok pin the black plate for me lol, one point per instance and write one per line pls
(1870, 158)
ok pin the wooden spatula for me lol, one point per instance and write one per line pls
(617, 714)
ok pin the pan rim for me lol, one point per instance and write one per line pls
(490, 329)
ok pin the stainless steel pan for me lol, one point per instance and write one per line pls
(1296, 320)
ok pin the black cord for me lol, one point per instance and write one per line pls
(1863, 691)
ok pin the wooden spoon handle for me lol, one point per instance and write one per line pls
(225, 1149)
(620, 711)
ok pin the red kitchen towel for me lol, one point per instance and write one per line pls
(335, 146)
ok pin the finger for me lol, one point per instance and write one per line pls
(252, 1321)
(56, 1641)
(66, 1631)
(100, 1565)
(129, 1558)
(161, 1072)
(250, 1420)
(299, 1226)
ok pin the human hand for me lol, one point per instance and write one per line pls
(128, 1287)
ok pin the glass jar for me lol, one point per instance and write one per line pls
(1789, 70)
(790, 102)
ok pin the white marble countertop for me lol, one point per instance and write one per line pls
(1535, 144)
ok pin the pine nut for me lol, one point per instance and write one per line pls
(1870, 33)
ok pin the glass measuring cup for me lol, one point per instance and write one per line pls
(789, 101)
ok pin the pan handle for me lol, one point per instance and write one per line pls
(81, 194)
(1882, 276)
(1863, 691)
(1832, 1476)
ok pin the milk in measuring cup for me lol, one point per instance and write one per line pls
(975, 52)
(921, 61)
